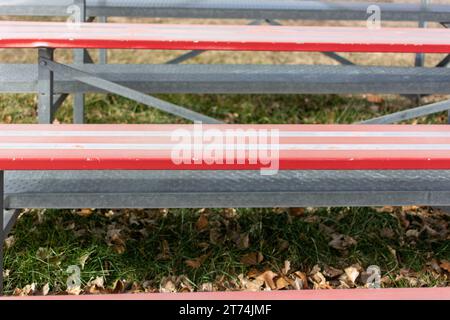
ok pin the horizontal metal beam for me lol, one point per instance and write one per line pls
(244, 9)
(199, 189)
(236, 79)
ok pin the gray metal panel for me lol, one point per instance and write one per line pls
(193, 189)
(245, 9)
(288, 79)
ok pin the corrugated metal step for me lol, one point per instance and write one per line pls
(194, 189)
(285, 79)
(232, 9)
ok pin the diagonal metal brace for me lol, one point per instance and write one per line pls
(331, 55)
(410, 113)
(9, 219)
(126, 92)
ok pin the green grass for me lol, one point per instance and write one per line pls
(43, 250)
(45, 246)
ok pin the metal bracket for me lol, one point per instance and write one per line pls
(126, 92)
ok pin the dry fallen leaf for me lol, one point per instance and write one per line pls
(7, 119)
(412, 233)
(206, 287)
(28, 290)
(435, 266)
(120, 249)
(119, 287)
(388, 209)
(6, 273)
(82, 260)
(373, 98)
(165, 251)
(296, 212)
(74, 290)
(95, 286)
(303, 279)
(202, 222)
(197, 262)
(268, 277)
(403, 220)
(242, 241)
(350, 276)
(9, 242)
(281, 283)
(341, 242)
(250, 285)
(331, 272)
(167, 286)
(445, 265)
(99, 282)
(114, 239)
(319, 281)
(229, 213)
(85, 212)
(287, 267)
(252, 258)
(45, 289)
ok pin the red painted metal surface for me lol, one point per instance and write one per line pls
(337, 294)
(222, 37)
(224, 147)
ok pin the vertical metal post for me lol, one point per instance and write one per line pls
(420, 57)
(103, 53)
(2, 228)
(45, 87)
(79, 57)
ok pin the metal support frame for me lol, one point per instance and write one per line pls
(195, 53)
(410, 113)
(420, 57)
(7, 220)
(95, 81)
(225, 9)
(79, 56)
(419, 60)
(103, 53)
(45, 87)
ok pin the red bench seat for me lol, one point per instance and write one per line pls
(222, 37)
(294, 147)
